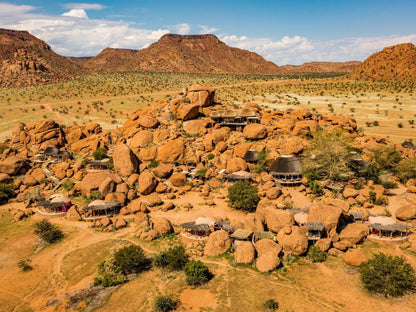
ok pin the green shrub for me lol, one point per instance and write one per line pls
(96, 195)
(270, 305)
(197, 273)
(389, 185)
(322, 162)
(153, 164)
(6, 192)
(100, 153)
(24, 264)
(359, 184)
(67, 185)
(388, 275)
(315, 254)
(210, 156)
(406, 170)
(131, 259)
(165, 303)
(3, 147)
(174, 258)
(316, 188)
(109, 274)
(48, 231)
(201, 172)
(243, 196)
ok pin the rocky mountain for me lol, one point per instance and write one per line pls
(321, 67)
(25, 60)
(397, 62)
(184, 53)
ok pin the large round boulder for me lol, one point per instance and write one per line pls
(354, 233)
(172, 151)
(328, 215)
(255, 131)
(276, 219)
(218, 243)
(244, 253)
(265, 246)
(147, 183)
(355, 257)
(267, 262)
(236, 164)
(406, 212)
(125, 162)
(162, 226)
(293, 240)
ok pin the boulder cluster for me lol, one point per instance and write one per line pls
(153, 153)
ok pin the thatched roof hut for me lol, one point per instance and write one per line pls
(287, 164)
(247, 112)
(239, 175)
(198, 229)
(215, 115)
(224, 225)
(229, 113)
(100, 204)
(287, 169)
(53, 151)
(252, 156)
(408, 144)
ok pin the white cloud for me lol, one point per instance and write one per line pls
(297, 50)
(181, 29)
(84, 6)
(75, 34)
(207, 30)
(79, 13)
(72, 33)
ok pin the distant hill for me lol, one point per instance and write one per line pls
(397, 62)
(186, 54)
(25, 60)
(321, 67)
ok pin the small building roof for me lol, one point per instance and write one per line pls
(229, 113)
(247, 112)
(314, 226)
(205, 220)
(204, 228)
(264, 234)
(396, 227)
(100, 204)
(241, 234)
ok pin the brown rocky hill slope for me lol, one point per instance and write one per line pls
(397, 62)
(25, 60)
(184, 53)
(321, 67)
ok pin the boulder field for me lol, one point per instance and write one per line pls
(174, 148)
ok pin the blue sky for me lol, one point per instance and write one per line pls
(285, 32)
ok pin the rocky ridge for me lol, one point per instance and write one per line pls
(25, 60)
(393, 63)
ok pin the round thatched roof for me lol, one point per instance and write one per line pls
(247, 112)
(215, 114)
(252, 155)
(287, 164)
(229, 113)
